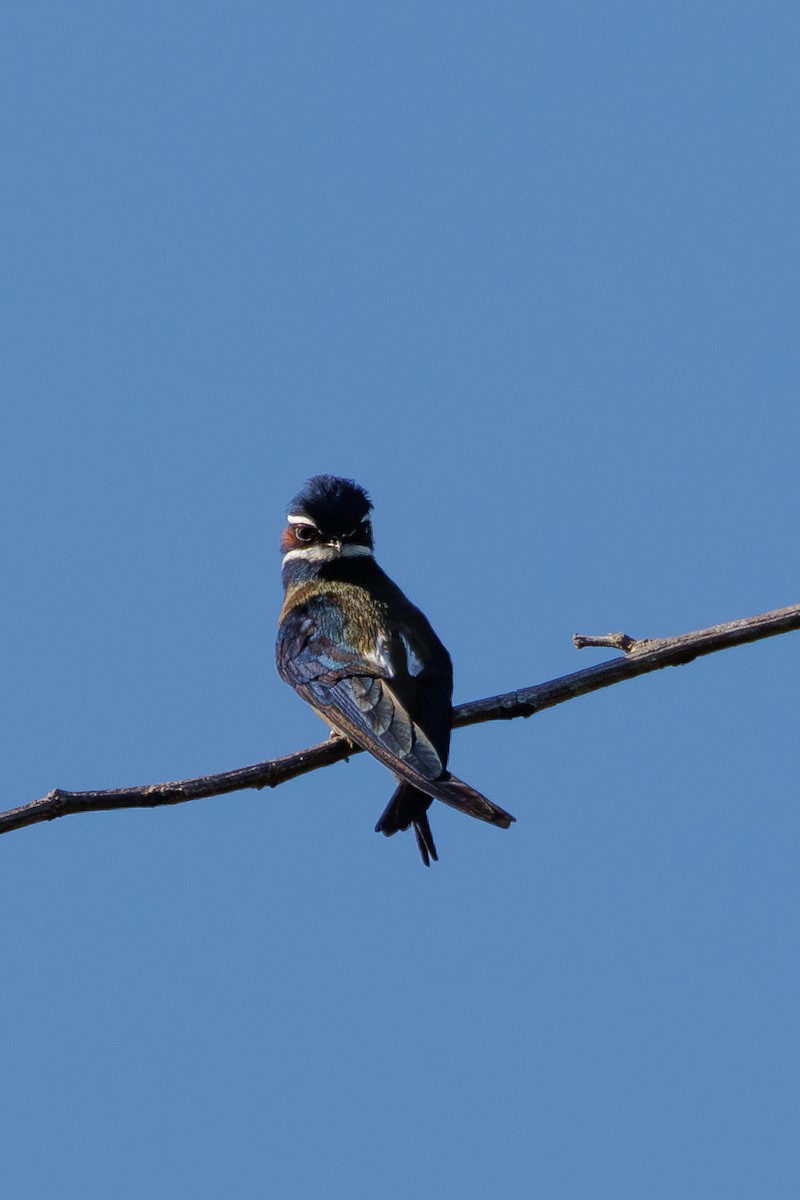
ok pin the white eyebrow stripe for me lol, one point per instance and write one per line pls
(297, 519)
(326, 553)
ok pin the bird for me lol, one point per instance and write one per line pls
(366, 659)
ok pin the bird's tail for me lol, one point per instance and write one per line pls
(408, 806)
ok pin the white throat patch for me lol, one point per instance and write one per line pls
(326, 553)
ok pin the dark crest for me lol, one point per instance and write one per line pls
(335, 505)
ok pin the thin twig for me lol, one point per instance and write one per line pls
(641, 657)
(610, 641)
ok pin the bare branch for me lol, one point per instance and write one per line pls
(640, 657)
(611, 641)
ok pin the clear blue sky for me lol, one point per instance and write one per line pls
(529, 272)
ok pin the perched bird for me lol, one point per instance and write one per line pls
(366, 660)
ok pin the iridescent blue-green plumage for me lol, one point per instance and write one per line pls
(366, 659)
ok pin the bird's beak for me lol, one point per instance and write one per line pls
(335, 545)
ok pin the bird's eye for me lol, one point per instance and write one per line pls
(304, 533)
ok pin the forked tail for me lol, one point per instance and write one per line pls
(409, 806)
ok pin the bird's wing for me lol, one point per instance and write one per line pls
(425, 686)
(354, 692)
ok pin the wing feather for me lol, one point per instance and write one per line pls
(367, 711)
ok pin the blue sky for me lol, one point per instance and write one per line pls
(530, 274)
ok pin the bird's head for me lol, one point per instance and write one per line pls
(328, 519)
